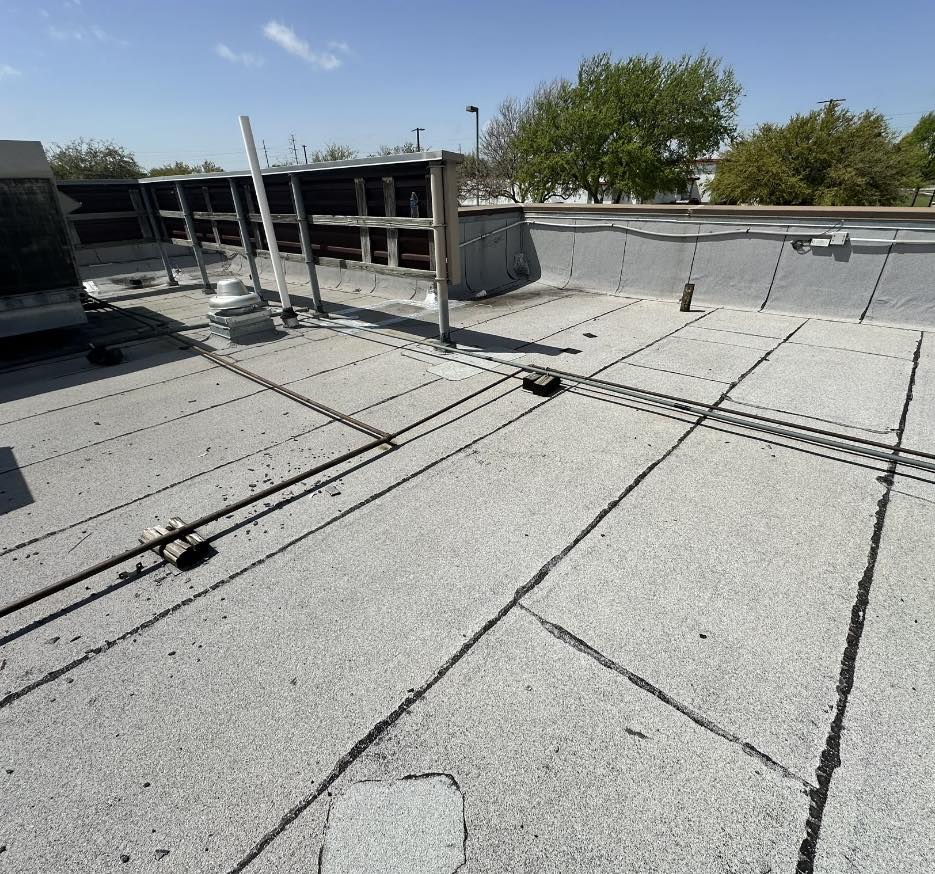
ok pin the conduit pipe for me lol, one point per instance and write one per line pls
(255, 377)
(752, 229)
(227, 509)
(778, 427)
(288, 314)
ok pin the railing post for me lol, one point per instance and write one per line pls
(193, 238)
(392, 234)
(142, 203)
(244, 225)
(306, 238)
(441, 250)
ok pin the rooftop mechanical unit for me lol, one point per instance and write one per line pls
(39, 284)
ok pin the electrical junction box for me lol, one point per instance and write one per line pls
(819, 242)
(840, 238)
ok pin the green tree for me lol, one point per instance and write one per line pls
(407, 148)
(93, 159)
(828, 157)
(500, 156)
(180, 168)
(333, 152)
(629, 127)
(919, 147)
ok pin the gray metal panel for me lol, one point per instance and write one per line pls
(598, 261)
(434, 157)
(833, 281)
(23, 159)
(40, 311)
(734, 271)
(549, 251)
(657, 266)
(485, 262)
(906, 293)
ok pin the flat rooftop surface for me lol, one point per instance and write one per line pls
(610, 637)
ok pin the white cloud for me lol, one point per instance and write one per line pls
(8, 72)
(248, 59)
(339, 46)
(57, 33)
(82, 34)
(44, 13)
(286, 38)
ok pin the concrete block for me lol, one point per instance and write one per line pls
(408, 826)
(655, 266)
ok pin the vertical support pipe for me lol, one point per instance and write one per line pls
(477, 151)
(288, 314)
(244, 227)
(214, 222)
(441, 250)
(192, 236)
(146, 206)
(306, 238)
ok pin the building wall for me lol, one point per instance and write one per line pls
(736, 257)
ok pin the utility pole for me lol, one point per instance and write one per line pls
(416, 131)
(265, 153)
(305, 152)
(476, 112)
(295, 151)
(831, 102)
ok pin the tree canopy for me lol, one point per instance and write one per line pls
(920, 146)
(625, 127)
(180, 168)
(406, 148)
(828, 157)
(333, 152)
(93, 159)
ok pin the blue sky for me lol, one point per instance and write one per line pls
(168, 79)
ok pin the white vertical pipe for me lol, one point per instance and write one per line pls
(436, 184)
(268, 229)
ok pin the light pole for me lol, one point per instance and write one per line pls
(476, 112)
(417, 131)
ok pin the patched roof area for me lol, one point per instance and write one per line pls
(614, 635)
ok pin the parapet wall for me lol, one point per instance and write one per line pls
(748, 258)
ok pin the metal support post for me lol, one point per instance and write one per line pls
(145, 207)
(244, 225)
(306, 239)
(441, 250)
(288, 315)
(192, 236)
